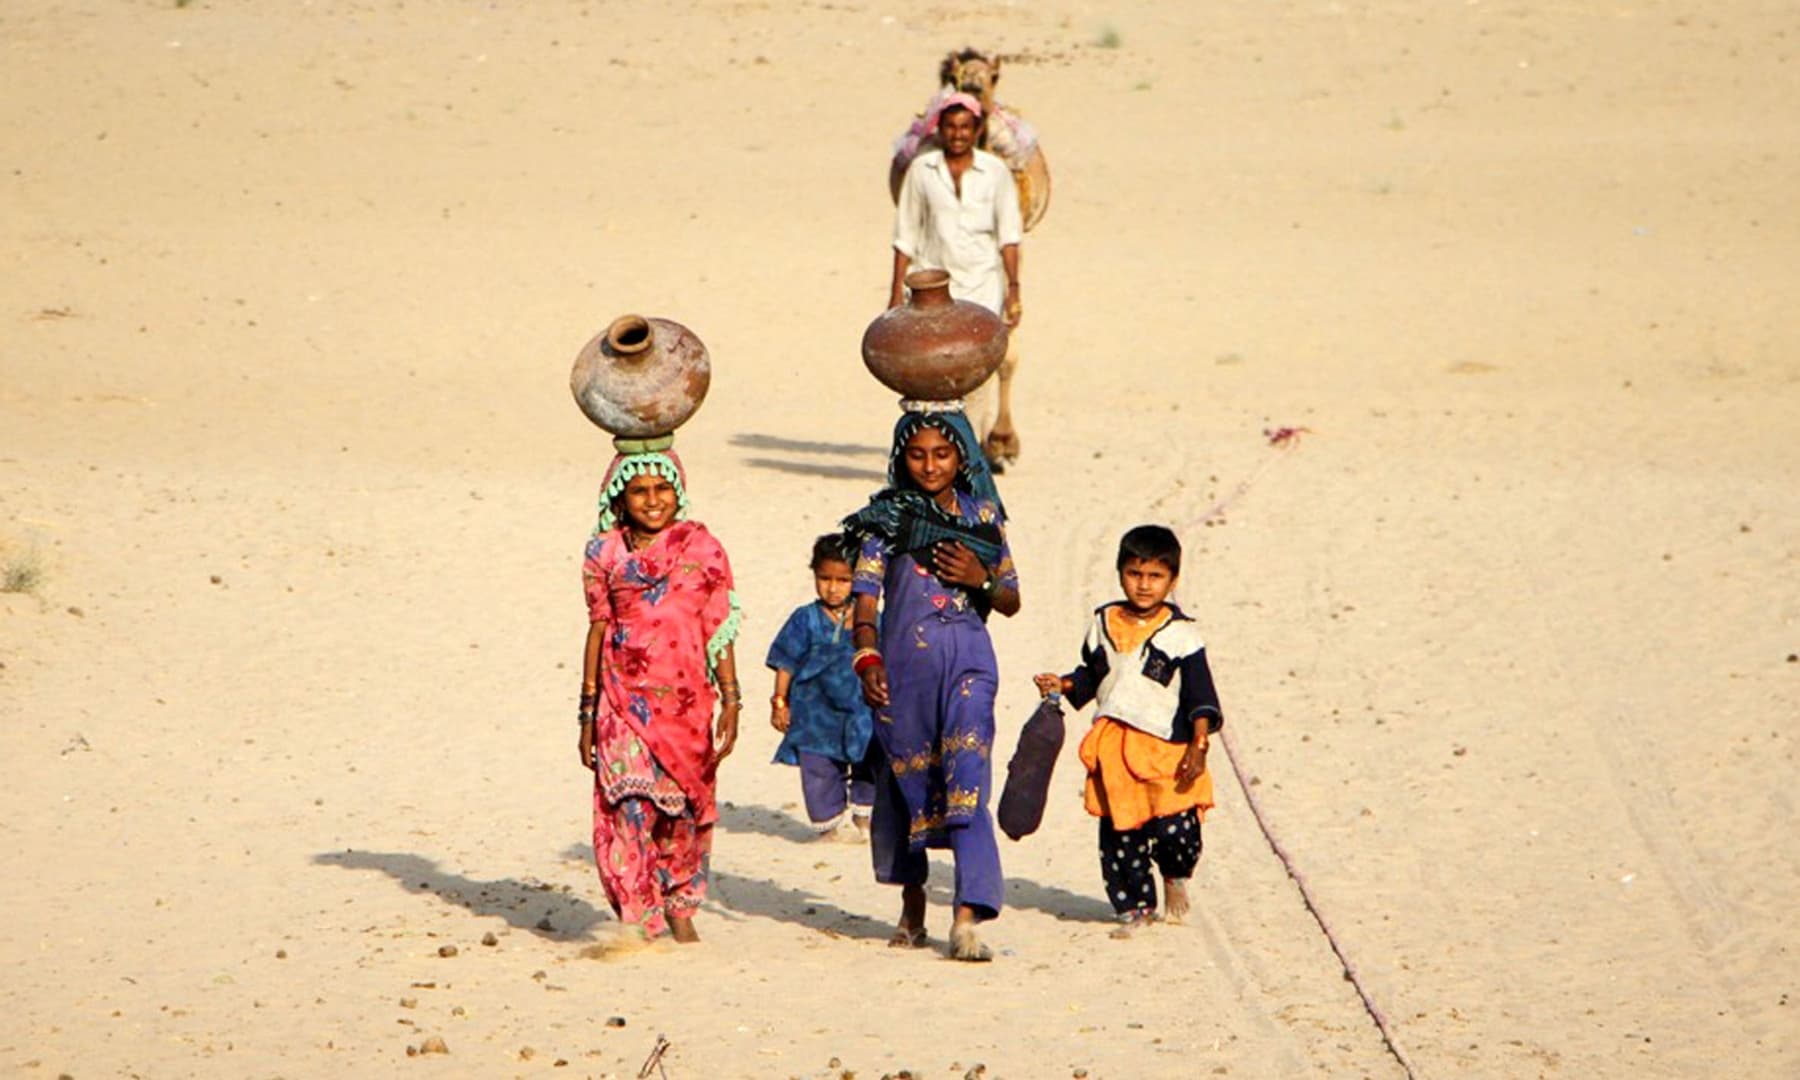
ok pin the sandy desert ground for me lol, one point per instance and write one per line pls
(293, 493)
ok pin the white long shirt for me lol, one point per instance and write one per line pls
(1164, 687)
(939, 231)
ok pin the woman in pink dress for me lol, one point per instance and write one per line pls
(661, 620)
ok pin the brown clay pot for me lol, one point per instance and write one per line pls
(934, 348)
(641, 377)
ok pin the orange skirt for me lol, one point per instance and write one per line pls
(1131, 776)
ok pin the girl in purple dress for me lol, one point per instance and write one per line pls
(933, 559)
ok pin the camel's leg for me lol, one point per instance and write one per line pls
(979, 407)
(1002, 441)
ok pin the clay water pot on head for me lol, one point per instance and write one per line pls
(641, 377)
(934, 348)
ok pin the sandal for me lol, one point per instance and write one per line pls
(965, 946)
(1129, 925)
(907, 937)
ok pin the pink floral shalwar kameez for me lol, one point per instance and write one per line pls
(668, 613)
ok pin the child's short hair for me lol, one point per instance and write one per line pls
(832, 547)
(1151, 543)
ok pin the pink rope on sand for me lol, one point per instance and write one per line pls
(1306, 896)
(1286, 438)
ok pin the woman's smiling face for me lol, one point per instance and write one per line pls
(650, 502)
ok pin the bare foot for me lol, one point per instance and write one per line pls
(681, 928)
(1131, 924)
(1175, 899)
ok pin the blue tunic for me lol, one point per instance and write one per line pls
(825, 704)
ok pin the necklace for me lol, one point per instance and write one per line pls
(636, 541)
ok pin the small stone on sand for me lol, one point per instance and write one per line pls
(446, 950)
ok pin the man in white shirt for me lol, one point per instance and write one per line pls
(959, 211)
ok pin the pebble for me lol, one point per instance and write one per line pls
(546, 925)
(615, 1021)
(526, 1053)
(446, 950)
(281, 954)
(434, 1045)
(409, 1003)
(489, 939)
(458, 1010)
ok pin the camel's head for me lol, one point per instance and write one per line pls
(973, 73)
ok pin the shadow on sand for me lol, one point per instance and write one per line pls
(828, 472)
(735, 897)
(553, 913)
(752, 441)
(1052, 900)
(526, 905)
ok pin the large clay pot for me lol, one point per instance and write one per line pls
(934, 348)
(641, 377)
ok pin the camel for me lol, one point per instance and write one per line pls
(1006, 134)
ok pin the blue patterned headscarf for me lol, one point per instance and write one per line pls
(896, 513)
(974, 478)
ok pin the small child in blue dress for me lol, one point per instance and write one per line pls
(818, 703)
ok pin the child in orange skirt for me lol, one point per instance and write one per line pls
(1144, 665)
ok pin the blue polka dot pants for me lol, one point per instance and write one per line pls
(1131, 858)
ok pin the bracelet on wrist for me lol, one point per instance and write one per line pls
(865, 659)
